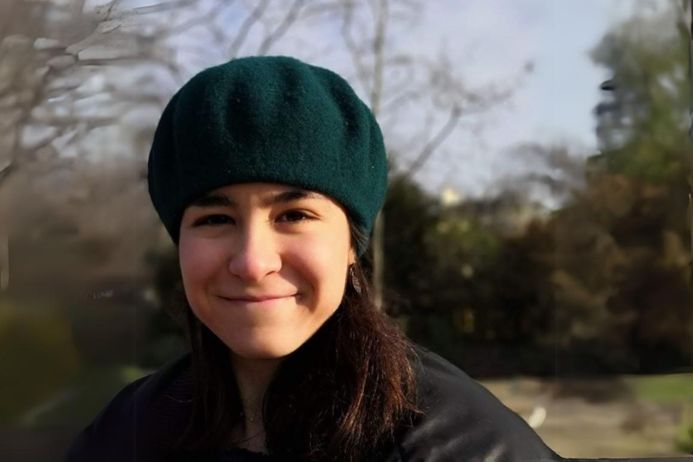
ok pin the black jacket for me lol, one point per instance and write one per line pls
(462, 422)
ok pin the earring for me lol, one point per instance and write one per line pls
(354, 280)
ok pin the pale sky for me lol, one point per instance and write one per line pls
(493, 39)
(490, 42)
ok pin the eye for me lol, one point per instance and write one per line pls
(213, 220)
(293, 216)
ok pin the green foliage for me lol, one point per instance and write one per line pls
(604, 279)
(166, 325)
(684, 441)
(664, 388)
(621, 257)
(643, 122)
(83, 397)
(408, 212)
(38, 357)
(458, 280)
(619, 274)
(684, 438)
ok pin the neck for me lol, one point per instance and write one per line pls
(253, 376)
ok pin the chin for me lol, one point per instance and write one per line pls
(262, 349)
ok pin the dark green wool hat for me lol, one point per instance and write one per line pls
(272, 120)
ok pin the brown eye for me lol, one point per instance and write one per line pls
(293, 216)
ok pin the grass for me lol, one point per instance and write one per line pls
(684, 438)
(670, 389)
(663, 389)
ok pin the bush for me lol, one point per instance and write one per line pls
(684, 439)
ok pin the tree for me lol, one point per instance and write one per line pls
(620, 261)
(642, 123)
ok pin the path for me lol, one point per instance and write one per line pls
(576, 427)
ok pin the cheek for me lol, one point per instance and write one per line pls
(322, 263)
(198, 263)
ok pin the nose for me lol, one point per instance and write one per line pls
(255, 254)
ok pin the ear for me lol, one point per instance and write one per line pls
(352, 256)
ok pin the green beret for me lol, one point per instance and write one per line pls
(272, 120)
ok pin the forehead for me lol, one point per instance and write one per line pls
(266, 194)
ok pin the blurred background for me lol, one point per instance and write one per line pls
(537, 231)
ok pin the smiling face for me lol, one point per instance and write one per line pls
(264, 265)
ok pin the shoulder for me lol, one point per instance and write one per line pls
(463, 421)
(140, 419)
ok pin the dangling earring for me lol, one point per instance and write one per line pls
(354, 280)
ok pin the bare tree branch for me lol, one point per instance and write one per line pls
(405, 96)
(403, 88)
(165, 6)
(204, 19)
(110, 9)
(352, 47)
(378, 55)
(437, 140)
(322, 8)
(283, 27)
(244, 30)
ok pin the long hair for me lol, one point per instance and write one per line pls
(344, 395)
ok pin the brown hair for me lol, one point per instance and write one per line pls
(343, 395)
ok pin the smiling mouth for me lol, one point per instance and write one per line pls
(257, 299)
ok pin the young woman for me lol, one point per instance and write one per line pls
(268, 174)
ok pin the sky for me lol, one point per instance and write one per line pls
(493, 40)
(493, 43)
(539, 49)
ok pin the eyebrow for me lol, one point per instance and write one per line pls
(221, 200)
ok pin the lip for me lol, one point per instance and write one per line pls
(256, 299)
